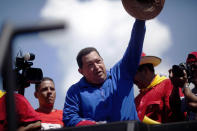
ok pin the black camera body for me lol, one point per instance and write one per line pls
(177, 70)
(25, 74)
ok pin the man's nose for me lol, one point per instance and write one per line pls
(96, 65)
(49, 91)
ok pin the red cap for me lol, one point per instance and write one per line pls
(192, 57)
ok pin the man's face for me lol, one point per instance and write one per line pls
(46, 94)
(194, 72)
(143, 77)
(93, 68)
(140, 79)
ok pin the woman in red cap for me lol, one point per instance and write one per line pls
(190, 76)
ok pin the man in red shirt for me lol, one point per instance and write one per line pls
(45, 93)
(153, 100)
(27, 118)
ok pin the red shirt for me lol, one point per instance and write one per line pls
(54, 117)
(24, 111)
(154, 102)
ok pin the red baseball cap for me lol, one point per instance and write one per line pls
(192, 57)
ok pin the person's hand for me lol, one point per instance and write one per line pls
(178, 81)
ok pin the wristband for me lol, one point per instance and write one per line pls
(184, 88)
(85, 123)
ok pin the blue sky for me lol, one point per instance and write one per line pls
(100, 23)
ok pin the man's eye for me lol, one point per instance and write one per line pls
(44, 89)
(90, 65)
(99, 61)
(52, 89)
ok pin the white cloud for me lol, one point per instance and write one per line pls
(158, 38)
(102, 24)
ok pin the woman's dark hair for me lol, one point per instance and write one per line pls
(84, 52)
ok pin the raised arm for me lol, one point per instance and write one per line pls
(131, 58)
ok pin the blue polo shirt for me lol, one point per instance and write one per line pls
(114, 99)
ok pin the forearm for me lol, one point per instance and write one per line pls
(133, 52)
(134, 49)
(192, 106)
(71, 109)
(71, 118)
(189, 95)
(30, 127)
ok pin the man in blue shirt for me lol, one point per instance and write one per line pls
(102, 95)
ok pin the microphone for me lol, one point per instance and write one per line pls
(29, 57)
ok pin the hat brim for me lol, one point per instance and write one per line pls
(150, 60)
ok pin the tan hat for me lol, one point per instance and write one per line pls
(143, 9)
(150, 59)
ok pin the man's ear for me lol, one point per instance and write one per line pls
(80, 71)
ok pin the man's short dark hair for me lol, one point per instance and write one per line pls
(149, 66)
(84, 52)
(37, 86)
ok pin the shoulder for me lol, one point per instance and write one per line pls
(22, 104)
(78, 86)
(20, 98)
(58, 111)
(166, 82)
(166, 86)
(73, 88)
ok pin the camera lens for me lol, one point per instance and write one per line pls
(177, 71)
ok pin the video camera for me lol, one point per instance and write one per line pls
(25, 74)
(177, 70)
